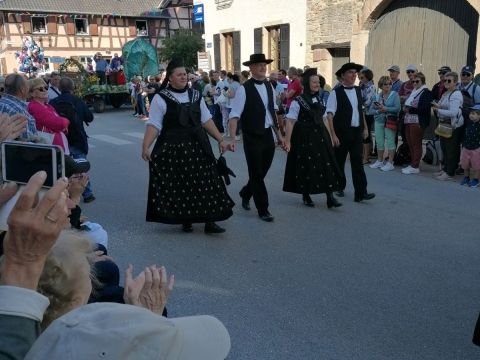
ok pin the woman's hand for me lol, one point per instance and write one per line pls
(287, 146)
(146, 154)
(335, 141)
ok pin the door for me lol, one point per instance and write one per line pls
(427, 33)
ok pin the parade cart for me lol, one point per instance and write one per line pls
(87, 87)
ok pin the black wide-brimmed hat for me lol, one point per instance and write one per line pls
(257, 58)
(348, 66)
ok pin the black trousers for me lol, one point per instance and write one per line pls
(351, 143)
(451, 151)
(259, 151)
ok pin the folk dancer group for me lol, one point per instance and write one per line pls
(185, 186)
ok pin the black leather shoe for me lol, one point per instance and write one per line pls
(187, 227)
(266, 217)
(212, 228)
(89, 199)
(366, 196)
(245, 202)
(333, 203)
(307, 201)
(340, 193)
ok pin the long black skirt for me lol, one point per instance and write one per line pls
(311, 165)
(185, 186)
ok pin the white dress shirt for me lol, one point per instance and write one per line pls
(352, 97)
(158, 109)
(238, 103)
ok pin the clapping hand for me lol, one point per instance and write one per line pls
(11, 127)
(33, 228)
(150, 289)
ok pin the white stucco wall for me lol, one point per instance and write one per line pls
(245, 15)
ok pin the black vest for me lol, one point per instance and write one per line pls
(253, 114)
(186, 115)
(342, 121)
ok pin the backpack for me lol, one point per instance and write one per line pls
(433, 152)
(402, 155)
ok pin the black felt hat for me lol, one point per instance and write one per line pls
(174, 63)
(348, 66)
(257, 58)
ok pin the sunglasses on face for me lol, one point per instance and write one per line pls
(410, 72)
(42, 89)
(441, 73)
(387, 84)
(466, 74)
(449, 81)
(416, 81)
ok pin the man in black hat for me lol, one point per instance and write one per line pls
(348, 128)
(254, 103)
(439, 88)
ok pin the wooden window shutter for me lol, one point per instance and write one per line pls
(216, 50)
(284, 46)
(132, 27)
(93, 27)
(257, 40)
(152, 31)
(52, 24)
(27, 24)
(236, 51)
(70, 26)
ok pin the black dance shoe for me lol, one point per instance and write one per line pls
(187, 227)
(340, 193)
(266, 217)
(245, 203)
(212, 228)
(366, 196)
(333, 203)
(307, 200)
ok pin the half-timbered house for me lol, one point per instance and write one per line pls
(81, 28)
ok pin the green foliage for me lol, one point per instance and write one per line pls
(183, 44)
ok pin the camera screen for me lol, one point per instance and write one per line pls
(21, 162)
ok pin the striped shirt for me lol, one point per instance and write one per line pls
(12, 105)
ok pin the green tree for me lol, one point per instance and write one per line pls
(183, 44)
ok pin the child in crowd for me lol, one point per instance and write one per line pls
(470, 158)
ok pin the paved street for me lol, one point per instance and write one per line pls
(395, 278)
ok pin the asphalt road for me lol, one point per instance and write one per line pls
(394, 278)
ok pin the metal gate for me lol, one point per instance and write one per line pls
(427, 33)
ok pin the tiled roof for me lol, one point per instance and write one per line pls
(132, 8)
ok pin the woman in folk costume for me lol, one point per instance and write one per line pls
(311, 165)
(185, 186)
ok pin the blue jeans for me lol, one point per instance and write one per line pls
(77, 154)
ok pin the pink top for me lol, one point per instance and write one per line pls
(47, 120)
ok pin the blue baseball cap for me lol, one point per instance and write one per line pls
(475, 107)
(468, 69)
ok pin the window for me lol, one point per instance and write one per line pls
(81, 26)
(46, 65)
(39, 24)
(141, 26)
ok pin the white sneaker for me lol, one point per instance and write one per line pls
(237, 137)
(438, 173)
(410, 170)
(376, 165)
(387, 167)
